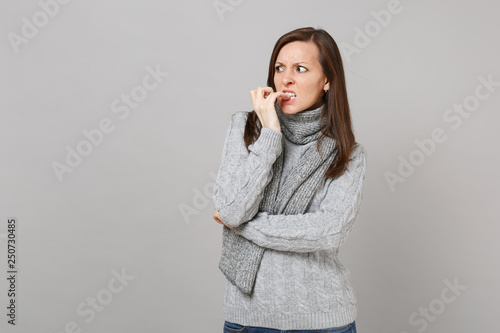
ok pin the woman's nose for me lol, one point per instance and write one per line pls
(287, 79)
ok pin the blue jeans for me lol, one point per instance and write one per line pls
(236, 328)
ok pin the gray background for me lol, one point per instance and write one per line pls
(121, 207)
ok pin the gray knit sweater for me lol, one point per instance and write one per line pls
(301, 284)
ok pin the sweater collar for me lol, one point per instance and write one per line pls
(302, 127)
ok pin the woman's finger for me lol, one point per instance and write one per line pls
(263, 99)
(216, 217)
(281, 94)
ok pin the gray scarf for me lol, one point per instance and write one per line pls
(241, 257)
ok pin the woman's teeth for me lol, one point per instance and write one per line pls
(291, 95)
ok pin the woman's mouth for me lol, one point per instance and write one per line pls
(290, 97)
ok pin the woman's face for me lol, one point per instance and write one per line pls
(298, 70)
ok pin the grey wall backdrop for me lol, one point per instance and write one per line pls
(113, 117)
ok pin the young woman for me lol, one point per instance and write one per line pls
(287, 193)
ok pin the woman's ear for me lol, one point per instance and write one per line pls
(327, 85)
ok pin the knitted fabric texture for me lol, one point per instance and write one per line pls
(240, 257)
(301, 283)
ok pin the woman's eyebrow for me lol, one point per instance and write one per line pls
(297, 63)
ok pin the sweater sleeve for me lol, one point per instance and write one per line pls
(325, 229)
(243, 176)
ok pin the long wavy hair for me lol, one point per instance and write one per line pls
(336, 106)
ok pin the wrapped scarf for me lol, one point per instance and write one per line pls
(241, 257)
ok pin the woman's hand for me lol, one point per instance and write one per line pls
(216, 217)
(263, 99)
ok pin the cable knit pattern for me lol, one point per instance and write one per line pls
(301, 284)
(244, 173)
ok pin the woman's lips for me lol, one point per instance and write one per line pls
(289, 98)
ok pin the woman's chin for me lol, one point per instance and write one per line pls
(288, 108)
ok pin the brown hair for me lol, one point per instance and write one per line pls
(336, 108)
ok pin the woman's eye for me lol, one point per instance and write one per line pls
(278, 68)
(301, 69)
